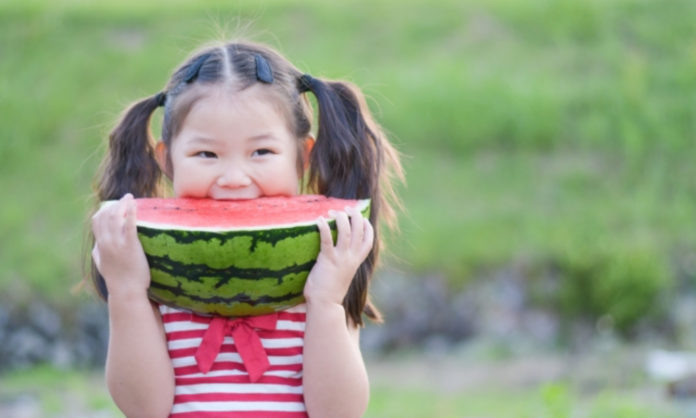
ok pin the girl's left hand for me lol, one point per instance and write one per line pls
(336, 265)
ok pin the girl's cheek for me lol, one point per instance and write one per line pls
(190, 187)
(189, 181)
(286, 186)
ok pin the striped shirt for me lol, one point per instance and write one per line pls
(227, 389)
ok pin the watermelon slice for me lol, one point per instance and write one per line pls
(233, 258)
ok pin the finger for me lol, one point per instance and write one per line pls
(117, 222)
(123, 206)
(343, 229)
(325, 238)
(106, 224)
(130, 218)
(357, 224)
(98, 218)
(100, 224)
(368, 238)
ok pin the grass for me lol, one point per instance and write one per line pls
(537, 131)
(480, 381)
(53, 393)
(553, 400)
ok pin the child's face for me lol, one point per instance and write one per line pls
(234, 147)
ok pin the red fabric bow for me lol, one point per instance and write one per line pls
(247, 341)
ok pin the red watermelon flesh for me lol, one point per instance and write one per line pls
(262, 213)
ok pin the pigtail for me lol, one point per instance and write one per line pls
(352, 159)
(130, 165)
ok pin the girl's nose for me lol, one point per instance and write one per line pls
(233, 178)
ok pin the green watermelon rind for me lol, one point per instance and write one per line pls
(266, 274)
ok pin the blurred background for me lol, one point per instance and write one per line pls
(546, 262)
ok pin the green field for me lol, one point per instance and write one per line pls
(552, 133)
(535, 130)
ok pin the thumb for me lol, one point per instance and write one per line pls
(131, 217)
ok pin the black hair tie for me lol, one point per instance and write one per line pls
(263, 69)
(195, 68)
(305, 83)
(161, 98)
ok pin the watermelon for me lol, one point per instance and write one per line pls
(233, 257)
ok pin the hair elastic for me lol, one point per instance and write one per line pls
(263, 69)
(195, 68)
(161, 98)
(305, 83)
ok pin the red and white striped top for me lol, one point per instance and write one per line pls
(224, 387)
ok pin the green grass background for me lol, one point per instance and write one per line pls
(556, 135)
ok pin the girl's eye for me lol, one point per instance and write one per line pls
(262, 151)
(206, 154)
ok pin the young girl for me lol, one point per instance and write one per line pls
(237, 125)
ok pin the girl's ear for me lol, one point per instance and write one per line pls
(161, 157)
(307, 146)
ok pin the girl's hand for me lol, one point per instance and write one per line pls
(336, 265)
(117, 252)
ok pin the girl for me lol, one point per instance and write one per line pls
(237, 125)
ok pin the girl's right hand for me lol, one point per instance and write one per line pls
(117, 252)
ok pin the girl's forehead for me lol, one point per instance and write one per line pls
(249, 112)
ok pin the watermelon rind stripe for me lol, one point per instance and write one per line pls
(212, 286)
(240, 305)
(195, 271)
(271, 250)
(240, 297)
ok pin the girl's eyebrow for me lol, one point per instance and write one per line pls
(203, 140)
(263, 136)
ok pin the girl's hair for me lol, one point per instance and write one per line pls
(351, 159)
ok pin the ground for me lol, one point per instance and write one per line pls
(478, 379)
